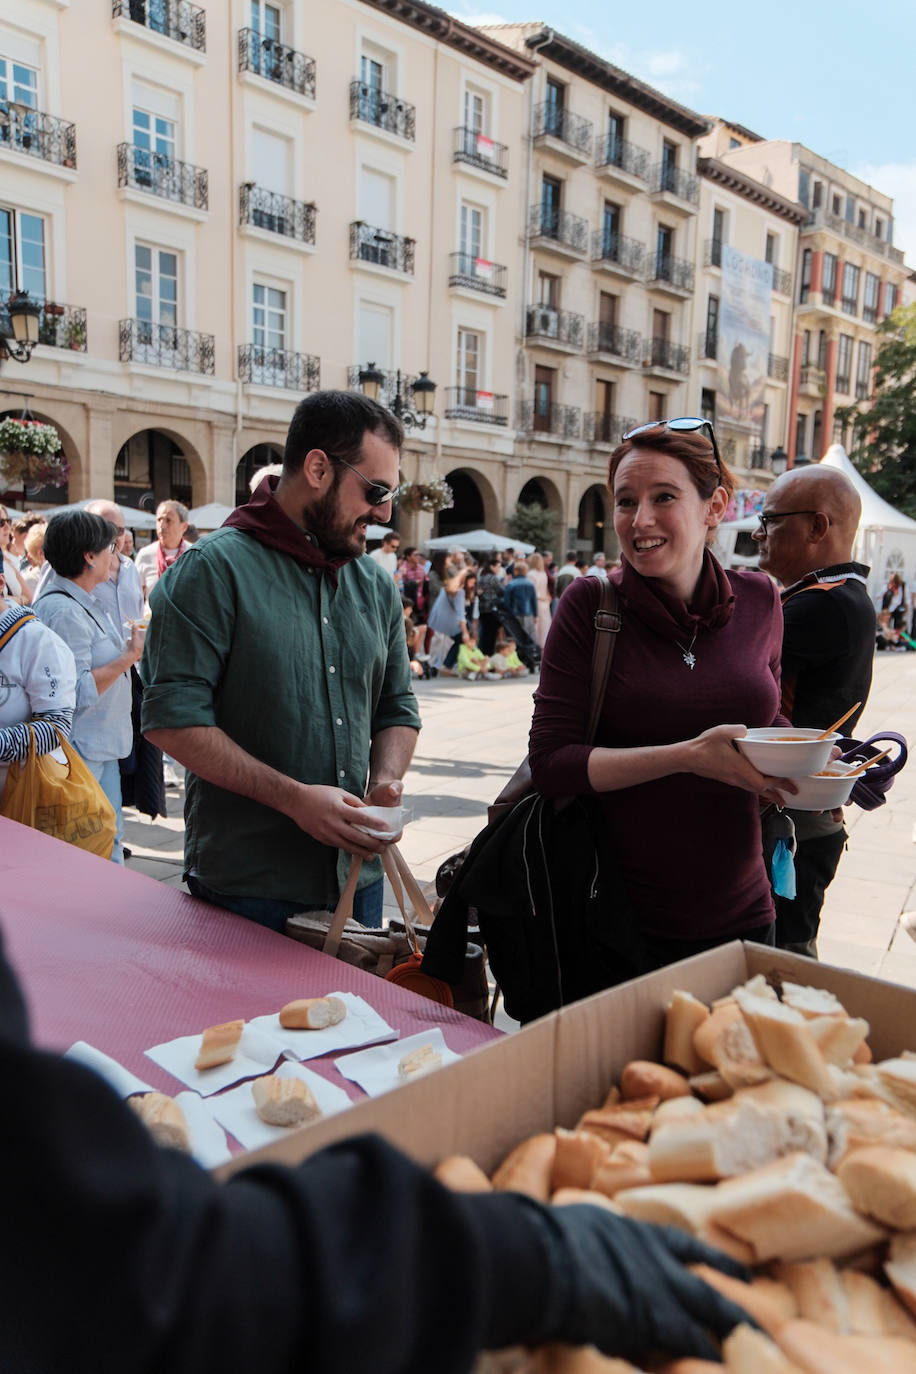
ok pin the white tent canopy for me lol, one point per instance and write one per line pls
(210, 516)
(476, 540)
(133, 519)
(886, 538)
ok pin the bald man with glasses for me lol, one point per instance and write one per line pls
(806, 535)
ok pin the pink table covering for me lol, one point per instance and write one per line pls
(124, 962)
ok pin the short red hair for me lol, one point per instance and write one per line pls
(690, 447)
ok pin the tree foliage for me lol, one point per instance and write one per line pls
(534, 525)
(884, 436)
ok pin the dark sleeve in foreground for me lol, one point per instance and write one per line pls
(119, 1257)
(556, 747)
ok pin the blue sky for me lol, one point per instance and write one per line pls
(834, 75)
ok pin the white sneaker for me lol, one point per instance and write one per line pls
(170, 777)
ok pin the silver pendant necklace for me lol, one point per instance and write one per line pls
(687, 653)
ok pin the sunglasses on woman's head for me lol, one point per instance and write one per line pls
(683, 424)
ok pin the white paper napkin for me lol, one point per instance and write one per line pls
(208, 1139)
(376, 1071)
(362, 1025)
(237, 1112)
(122, 1080)
(257, 1053)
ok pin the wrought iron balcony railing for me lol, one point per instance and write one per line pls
(677, 272)
(619, 343)
(40, 135)
(164, 345)
(294, 219)
(388, 391)
(782, 281)
(466, 403)
(278, 367)
(663, 353)
(478, 274)
(811, 375)
(162, 176)
(628, 254)
(664, 177)
(59, 326)
(708, 343)
(777, 367)
(176, 19)
(619, 152)
(602, 428)
(569, 128)
(824, 219)
(569, 230)
(276, 62)
(842, 383)
(761, 458)
(384, 110)
(561, 421)
(380, 246)
(712, 253)
(480, 151)
(558, 326)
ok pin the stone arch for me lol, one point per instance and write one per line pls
(156, 463)
(258, 456)
(542, 491)
(50, 495)
(476, 505)
(594, 530)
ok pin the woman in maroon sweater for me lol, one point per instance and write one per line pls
(698, 647)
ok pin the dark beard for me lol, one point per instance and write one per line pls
(334, 538)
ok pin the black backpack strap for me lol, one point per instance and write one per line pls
(607, 628)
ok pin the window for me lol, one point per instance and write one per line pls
(660, 323)
(862, 223)
(850, 210)
(265, 20)
(551, 194)
(23, 265)
(604, 397)
(548, 290)
(733, 143)
(470, 351)
(553, 112)
(879, 228)
(544, 381)
(656, 405)
(664, 245)
(836, 205)
(863, 371)
(805, 283)
(822, 349)
(376, 199)
(850, 289)
(18, 83)
(818, 199)
(156, 297)
(804, 184)
(870, 298)
(374, 85)
(268, 316)
(770, 252)
(711, 342)
(607, 310)
(154, 148)
(271, 159)
(708, 404)
(890, 298)
(616, 133)
(801, 426)
(376, 332)
(610, 231)
(816, 424)
(806, 348)
(828, 281)
(475, 111)
(843, 363)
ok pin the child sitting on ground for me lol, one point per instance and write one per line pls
(506, 662)
(471, 663)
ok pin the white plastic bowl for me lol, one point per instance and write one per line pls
(787, 751)
(822, 793)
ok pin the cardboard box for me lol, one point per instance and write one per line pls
(549, 1073)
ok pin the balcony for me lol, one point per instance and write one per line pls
(559, 329)
(622, 161)
(562, 132)
(823, 219)
(276, 63)
(164, 345)
(664, 356)
(672, 275)
(476, 150)
(175, 19)
(276, 214)
(622, 346)
(777, 367)
(59, 326)
(381, 248)
(482, 407)
(383, 111)
(165, 177)
(477, 274)
(619, 255)
(708, 345)
(782, 281)
(558, 232)
(555, 422)
(389, 389)
(601, 428)
(812, 381)
(712, 253)
(674, 187)
(23, 130)
(761, 459)
(278, 367)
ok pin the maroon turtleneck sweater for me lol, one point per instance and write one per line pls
(690, 848)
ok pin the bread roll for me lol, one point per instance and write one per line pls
(462, 1175)
(284, 1101)
(900, 1268)
(725, 1041)
(818, 1292)
(866, 1121)
(685, 1014)
(569, 1197)
(898, 1076)
(685, 1205)
(711, 1087)
(163, 1118)
(528, 1168)
(312, 1013)
(747, 1351)
(568, 1359)
(881, 1182)
(627, 1166)
(818, 1351)
(218, 1044)
(723, 1240)
(786, 1043)
(421, 1060)
(872, 1310)
(839, 1038)
(811, 1002)
(642, 1078)
(627, 1121)
(770, 1303)
(577, 1158)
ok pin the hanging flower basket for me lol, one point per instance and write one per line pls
(30, 454)
(434, 495)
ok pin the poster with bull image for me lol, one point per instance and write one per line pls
(744, 340)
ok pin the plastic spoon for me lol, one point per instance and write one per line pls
(837, 723)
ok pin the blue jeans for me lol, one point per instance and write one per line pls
(273, 912)
(107, 773)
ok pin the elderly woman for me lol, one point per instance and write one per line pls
(698, 648)
(79, 547)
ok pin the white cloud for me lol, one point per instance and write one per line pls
(896, 179)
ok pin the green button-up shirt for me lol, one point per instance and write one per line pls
(299, 675)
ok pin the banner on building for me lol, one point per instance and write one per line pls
(744, 340)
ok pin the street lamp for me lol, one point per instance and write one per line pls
(423, 394)
(779, 461)
(24, 317)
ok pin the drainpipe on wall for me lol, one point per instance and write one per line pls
(433, 168)
(541, 40)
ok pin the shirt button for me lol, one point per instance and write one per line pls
(324, 620)
(338, 721)
(332, 669)
(342, 773)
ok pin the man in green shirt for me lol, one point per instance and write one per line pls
(276, 671)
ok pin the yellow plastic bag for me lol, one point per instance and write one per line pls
(60, 799)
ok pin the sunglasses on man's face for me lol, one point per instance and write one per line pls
(683, 424)
(376, 494)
